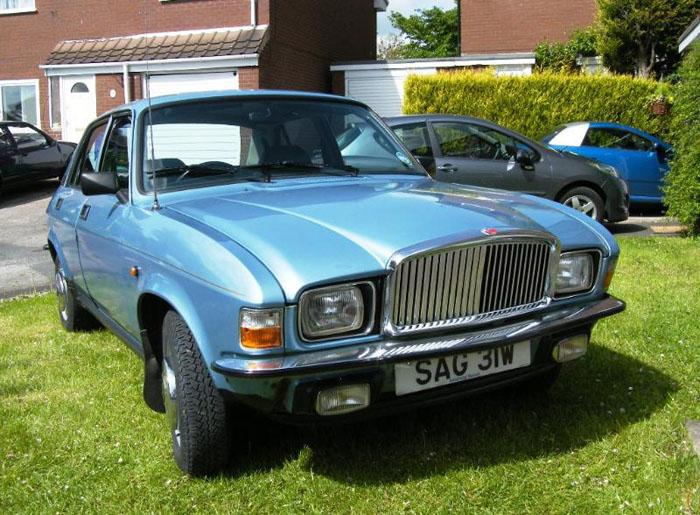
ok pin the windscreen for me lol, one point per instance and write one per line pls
(205, 143)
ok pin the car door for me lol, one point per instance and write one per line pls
(633, 155)
(39, 156)
(470, 153)
(10, 169)
(102, 226)
(65, 208)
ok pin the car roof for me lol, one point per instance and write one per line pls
(141, 105)
(615, 125)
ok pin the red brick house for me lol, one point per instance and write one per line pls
(62, 62)
(509, 26)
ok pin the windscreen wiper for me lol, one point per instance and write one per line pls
(199, 170)
(289, 165)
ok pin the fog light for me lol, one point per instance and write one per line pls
(570, 348)
(342, 399)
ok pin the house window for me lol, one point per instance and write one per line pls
(55, 99)
(19, 101)
(16, 6)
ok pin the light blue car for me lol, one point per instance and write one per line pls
(641, 158)
(284, 251)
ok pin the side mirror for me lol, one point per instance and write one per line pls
(660, 152)
(525, 159)
(99, 183)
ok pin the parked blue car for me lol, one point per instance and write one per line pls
(641, 159)
(284, 251)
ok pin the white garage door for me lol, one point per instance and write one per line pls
(201, 142)
(382, 90)
(192, 82)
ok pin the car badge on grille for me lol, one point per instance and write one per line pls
(489, 231)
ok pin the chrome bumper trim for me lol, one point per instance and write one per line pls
(394, 350)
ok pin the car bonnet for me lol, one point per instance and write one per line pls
(319, 230)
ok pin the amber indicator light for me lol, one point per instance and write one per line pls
(134, 271)
(261, 338)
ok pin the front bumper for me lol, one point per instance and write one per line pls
(287, 385)
(617, 205)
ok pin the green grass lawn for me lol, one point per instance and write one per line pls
(75, 435)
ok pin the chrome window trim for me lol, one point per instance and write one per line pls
(454, 243)
(596, 277)
(367, 320)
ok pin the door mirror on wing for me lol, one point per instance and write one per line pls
(661, 152)
(525, 159)
(99, 183)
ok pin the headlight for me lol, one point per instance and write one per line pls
(333, 310)
(611, 170)
(575, 273)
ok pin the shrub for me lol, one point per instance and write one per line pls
(683, 181)
(563, 57)
(536, 104)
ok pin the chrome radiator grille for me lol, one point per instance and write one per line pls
(469, 283)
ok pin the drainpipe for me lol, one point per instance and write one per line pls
(253, 14)
(127, 92)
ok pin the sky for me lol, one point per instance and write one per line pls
(407, 7)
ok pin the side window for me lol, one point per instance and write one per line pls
(617, 139)
(27, 138)
(5, 140)
(90, 152)
(118, 150)
(415, 137)
(473, 142)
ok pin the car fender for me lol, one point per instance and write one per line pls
(215, 329)
(57, 253)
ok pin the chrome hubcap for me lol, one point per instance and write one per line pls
(61, 289)
(169, 389)
(583, 204)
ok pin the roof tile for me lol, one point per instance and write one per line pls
(159, 46)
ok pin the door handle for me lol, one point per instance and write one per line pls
(84, 211)
(58, 204)
(447, 168)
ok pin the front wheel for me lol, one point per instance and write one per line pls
(586, 201)
(195, 409)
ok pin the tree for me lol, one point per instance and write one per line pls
(390, 47)
(429, 33)
(641, 36)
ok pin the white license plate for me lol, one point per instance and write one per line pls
(424, 374)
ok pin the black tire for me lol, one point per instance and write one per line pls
(195, 409)
(74, 317)
(542, 382)
(582, 198)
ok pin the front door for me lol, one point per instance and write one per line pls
(470, 153)
(101, 228)
(78, 103)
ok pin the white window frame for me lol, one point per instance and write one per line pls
(52, 122)
(24, 82)
(28, 9)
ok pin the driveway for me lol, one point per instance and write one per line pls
(24, 266)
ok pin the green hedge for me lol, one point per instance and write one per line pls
(536, 104)
(683, 188)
